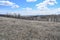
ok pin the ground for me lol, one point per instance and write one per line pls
(19, 29)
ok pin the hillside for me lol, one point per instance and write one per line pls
(19, 29)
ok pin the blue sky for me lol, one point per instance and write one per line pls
(30, 7)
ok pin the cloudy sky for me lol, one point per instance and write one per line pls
(30, 7)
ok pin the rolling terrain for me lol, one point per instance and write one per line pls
(19, 29)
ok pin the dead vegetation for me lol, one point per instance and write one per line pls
(18, 29)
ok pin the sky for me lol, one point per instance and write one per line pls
(30, 7)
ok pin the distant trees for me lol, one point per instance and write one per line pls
(13, 15)
(51, 18)
(18, 16)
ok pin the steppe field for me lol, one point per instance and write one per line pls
(19, 29)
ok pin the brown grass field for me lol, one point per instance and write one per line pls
(19, 29)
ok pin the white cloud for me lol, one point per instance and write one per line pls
(8, 3)
(40, 12)
(27, 8)
(31, 0)
(45, 3)
(42, 9)
(15, 6)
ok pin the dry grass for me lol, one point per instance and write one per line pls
(18, 29)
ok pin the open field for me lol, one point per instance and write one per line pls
(18, 29)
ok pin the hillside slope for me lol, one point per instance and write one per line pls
(18, 29)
